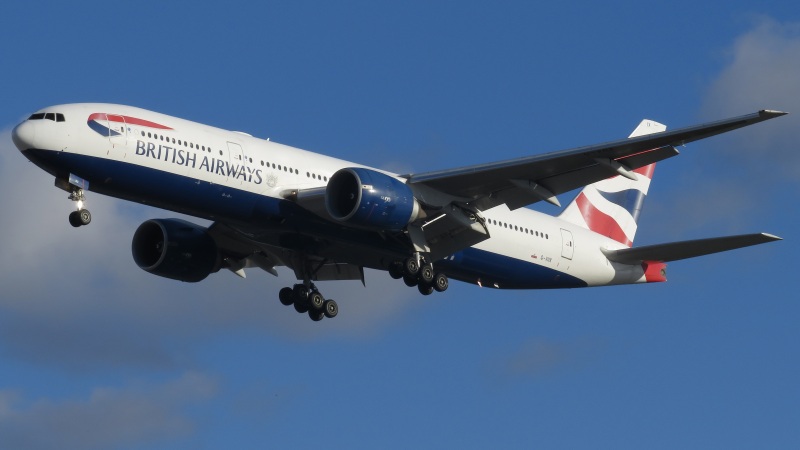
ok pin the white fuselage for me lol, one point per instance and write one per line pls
(155, 158)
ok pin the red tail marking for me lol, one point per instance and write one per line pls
(654, 271)
(646, 170)
(600, 222)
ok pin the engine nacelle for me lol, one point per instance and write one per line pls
(370, 199)
(176, 249)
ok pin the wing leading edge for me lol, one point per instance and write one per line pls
(523, 181)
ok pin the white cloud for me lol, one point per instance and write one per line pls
(108, 418)
(539, 357)
(727, 183)
(763, 72)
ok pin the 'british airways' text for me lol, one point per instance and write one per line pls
(189, 159)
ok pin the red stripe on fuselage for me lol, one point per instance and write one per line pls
(127, 119)
(600, 222)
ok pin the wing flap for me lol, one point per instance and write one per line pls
(332, 271)
(675, 251)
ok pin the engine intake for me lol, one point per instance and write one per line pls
(370, 199)
(175, 249)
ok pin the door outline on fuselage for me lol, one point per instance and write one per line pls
(236, 156)
(567, 244)
(119, 142)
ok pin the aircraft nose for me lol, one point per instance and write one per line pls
(24, 135)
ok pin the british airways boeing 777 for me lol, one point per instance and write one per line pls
(328, 219)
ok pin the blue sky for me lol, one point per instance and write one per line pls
(95, 353)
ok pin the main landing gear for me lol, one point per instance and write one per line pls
(416, 272)
(82, 216)
(307, 299)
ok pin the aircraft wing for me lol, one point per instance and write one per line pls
(523, 181)
(240, 252)
(675, 251)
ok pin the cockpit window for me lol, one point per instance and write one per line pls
(55, 117)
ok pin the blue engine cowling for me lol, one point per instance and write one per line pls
(176, 249)
(370, 199)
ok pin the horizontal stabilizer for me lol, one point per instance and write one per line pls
(686, 249)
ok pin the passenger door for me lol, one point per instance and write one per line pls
(567, 244)
(238, 163)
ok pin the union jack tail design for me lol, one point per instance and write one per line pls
(611, 207)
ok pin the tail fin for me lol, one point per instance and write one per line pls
(611, 207)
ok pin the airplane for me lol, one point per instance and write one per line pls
(273, 205)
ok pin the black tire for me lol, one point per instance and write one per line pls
(300, 307)
(410, 280)
(84, 217)
(300, 293)
(331, 309)
(411, 266)
(316, 316)
(440, 282)
(286, 296)
(396, 270)
(425, 289)
(426, 274)
(315, 301)
(74, 220)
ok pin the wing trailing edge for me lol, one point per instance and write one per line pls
(675, 251)
(509, 182)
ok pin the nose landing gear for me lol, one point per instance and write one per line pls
(82, 216)
(75, 186)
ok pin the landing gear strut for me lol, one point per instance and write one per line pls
(415, 271)
(81, 216)
(308, 299)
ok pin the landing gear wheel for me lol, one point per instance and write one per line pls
(425, 289)
(300, 307)
(440, 282)
(410, 280)
(300, 293)
(411, 266)
(84, 217)
(330, 308)
(285, 296)
(426, 274)
(74, 220)
(396, 270)
(315, 301)
(316, 316)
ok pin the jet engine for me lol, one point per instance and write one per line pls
(370, 199)
(176, 249)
